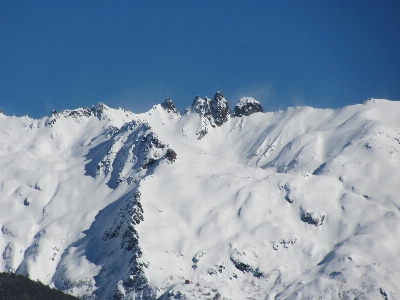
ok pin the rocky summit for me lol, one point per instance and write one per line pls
(220, 109)
(247, 106)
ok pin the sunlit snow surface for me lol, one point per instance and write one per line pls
(297, 204)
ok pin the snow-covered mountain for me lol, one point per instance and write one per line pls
(304, 203)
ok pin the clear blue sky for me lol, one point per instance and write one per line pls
(134, 54)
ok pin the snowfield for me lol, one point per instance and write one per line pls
(303, 203)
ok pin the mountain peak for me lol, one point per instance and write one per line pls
(202, 106)
(220, 109)
(247, 106)
(169, 106)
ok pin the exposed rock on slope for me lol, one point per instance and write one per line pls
(128, 153)
(212, 113)
(202, 107)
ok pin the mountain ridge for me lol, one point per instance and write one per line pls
(103, 203)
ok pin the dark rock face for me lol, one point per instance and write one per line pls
(246, 107)
(312, 218)
(246, 268)
(171, 155)
(169, 106)
(129, 216)
(201, 133)
(212, 112)
(123, 231)
(220, 109)
(241, 266)
(202, 106)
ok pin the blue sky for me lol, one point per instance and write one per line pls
(134, 54)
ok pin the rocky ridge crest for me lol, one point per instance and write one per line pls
(214, 113)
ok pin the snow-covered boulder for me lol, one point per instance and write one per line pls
(247, 106)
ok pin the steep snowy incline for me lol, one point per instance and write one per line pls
(291, 220)
(300, 203)
(57, 174)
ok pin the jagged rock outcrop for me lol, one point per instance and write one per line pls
(171, 155)
(312, 218)
(8, 257)
(169, 106)
(128, 153)
(212, 112)
(243, 264)
(247, 106)
(123, 229)
(78, 114)
(220, 109)
(202, 107)
(113, 238)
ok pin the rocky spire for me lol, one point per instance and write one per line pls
(219, 109)
(202, 106)
(247, 106)
(169, 106)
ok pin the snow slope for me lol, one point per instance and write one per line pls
(297, 204)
